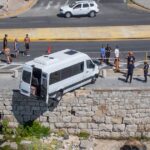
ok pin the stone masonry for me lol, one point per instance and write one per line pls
(117, 113)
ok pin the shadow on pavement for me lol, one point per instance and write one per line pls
(27, 109)
(122, 79)
(138, 79)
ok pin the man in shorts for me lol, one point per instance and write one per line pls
(27, 44)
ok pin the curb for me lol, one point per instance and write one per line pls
(140, 5)
(19, 10)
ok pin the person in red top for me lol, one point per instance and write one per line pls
(27, 44)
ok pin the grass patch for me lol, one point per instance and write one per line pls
(84, 135)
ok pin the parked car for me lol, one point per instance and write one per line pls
(80, 7)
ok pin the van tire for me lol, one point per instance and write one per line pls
(93, 80)
(68, 15)
(59, 95)
(92, 14)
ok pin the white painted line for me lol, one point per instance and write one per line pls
(49, 5)
(16, 68)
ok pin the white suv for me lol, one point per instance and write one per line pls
(80, 7)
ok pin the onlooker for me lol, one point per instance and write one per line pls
(102, 52)
(146, 66)
(27, 44)
(16, 47)
(130, 58)
(5, 42)
(130, 71)
(7, 55)
(108, 52)
(117, 59)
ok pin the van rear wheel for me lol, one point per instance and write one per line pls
(92, 14)
(59, 95)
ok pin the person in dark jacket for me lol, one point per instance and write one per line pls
(130, 58)
(146, 66)
(108, 52)
(130, 71)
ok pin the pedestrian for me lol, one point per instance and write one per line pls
(117, 59)
(130, 71)
(102, 52)
(130, 58)
(7, 55)
(27, 44)
(108, 52)
(5, 42)
(145, 68)
(16, 47)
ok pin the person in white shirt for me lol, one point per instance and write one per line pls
(117, 59)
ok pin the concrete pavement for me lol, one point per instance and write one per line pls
(14, 7)
(143, 3)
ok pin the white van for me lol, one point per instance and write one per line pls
(55, 74)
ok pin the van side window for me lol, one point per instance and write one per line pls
(85, 5)
(26, 76)
(89, 64)
(66, 73)
(55, 77)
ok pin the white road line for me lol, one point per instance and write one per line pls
(16, 68)
(4, 66)
(49, 5)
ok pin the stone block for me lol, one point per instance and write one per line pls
(104, 134)
(43, 119)
(118, 127)
(45, 124)
(75, 119)
(86, 119)
(71, 125)
(128, 121)
(93, 126)
(115, 134)
(82, 125)
(105, 127)
(95, 132)
(59, 125)
(98, 119)
(116, 120)
(67, 119)
(131, 128)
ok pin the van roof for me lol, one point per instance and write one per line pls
(57, 58)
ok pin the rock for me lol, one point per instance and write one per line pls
(25, 142)
(13, 145)
(133, 145)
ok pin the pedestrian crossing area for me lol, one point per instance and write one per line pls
(18, 65)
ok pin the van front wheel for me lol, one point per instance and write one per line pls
(59, 95)
(93, 80)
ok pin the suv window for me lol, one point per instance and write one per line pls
(77, 6)
(85, 5)
(91, 4)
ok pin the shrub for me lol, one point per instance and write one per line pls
(83, 135)
(33, 129)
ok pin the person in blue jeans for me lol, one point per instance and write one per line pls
(102, 53)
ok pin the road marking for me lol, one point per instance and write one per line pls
(49, 5)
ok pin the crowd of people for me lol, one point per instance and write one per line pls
(105, 53)
(6, 50)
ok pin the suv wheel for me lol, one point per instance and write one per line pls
(92, 14)
(68, 15)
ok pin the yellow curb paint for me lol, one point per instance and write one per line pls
(79, 33)
(20, 10)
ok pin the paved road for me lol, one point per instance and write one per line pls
(91, 48)
(44, 14)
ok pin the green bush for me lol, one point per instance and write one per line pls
(5, 129)
(83, 135)
(33, 129)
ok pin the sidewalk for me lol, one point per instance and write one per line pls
(14, 7)
(143, 3)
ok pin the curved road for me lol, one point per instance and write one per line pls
(45, 14)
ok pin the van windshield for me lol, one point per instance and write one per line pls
(26, 76)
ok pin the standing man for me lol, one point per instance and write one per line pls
(130, 58)
(108, 52)
(5, 42)
(102, 52)
(130, 71)
(146, 66)
(117, 59)
(27, 44)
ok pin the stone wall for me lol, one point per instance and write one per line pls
(103, 113)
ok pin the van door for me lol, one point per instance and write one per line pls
(25, 85)
(90, 66)
(44, 87)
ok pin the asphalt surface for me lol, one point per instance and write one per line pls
(45, 14)
(92, 48)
